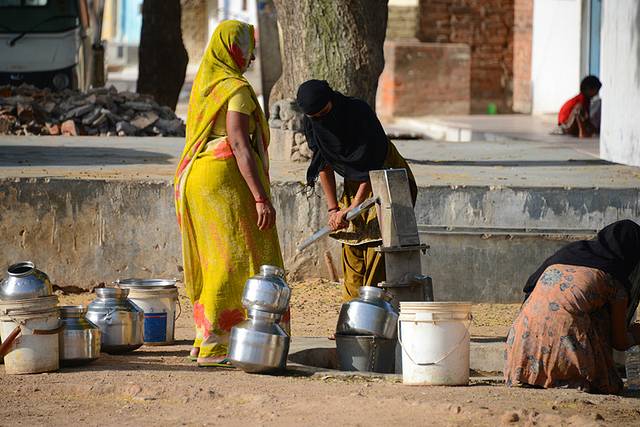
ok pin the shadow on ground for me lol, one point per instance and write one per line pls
(33, 155)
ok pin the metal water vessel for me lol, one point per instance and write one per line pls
(80, 339)
(24, 281)
(119, 319)
(267, 291)
(369, 314)
(259, 344)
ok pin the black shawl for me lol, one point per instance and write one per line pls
(349, 138)
(616, 250)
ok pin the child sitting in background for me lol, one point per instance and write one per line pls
(580, 116)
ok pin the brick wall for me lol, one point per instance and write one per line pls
(423, 79)
(522, 27)
(486, 26)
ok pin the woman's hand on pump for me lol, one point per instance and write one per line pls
(337, 219)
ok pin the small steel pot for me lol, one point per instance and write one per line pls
(119, 319)
(25, 281)
(369, 314)
(259, 344)
(80, 339)
(267, 291)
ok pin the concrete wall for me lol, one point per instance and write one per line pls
(620, 75)
(485, 267)
(424, 78)
(556, 48)
(83, 232)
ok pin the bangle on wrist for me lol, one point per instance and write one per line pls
(333, 209)
(263, 201)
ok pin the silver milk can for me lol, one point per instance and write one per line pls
(80, 339)
(120, 320)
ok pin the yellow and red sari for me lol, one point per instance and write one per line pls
(221, 243)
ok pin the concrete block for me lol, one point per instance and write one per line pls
(424, 78)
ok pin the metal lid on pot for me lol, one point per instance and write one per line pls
(371, 293)
(72, 310)
(134, 283)
(272, 270)
(116, 293)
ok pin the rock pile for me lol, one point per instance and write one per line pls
(27, 110)
(287, 134)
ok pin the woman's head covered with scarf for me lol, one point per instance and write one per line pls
(347, 135)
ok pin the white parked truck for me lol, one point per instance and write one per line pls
(46, 43)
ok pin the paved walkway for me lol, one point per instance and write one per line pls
(504, 127)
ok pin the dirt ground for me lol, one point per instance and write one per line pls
(158, 385)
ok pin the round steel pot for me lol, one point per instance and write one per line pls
(119, 319)
(259, 344)
(80, 339)
(24, 281)
(369, 314)
(267, 291)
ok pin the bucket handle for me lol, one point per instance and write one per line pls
(447, 354)
(175, 318)
(6, 344)
(48, 331)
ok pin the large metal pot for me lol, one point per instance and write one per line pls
(366, 353)
(24, 281)
(267, 291)
(80, 339)
(369, 314)
(259, 344)
(119, 319)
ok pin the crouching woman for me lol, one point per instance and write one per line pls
(578, 307)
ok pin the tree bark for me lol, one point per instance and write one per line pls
(338, 41)
(162, 56)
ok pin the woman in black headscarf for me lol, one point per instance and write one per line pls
(579, 306)
(347, 138)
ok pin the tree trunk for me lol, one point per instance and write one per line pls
(162, 56)
(338, 41)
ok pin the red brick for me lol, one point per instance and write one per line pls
(424, 78)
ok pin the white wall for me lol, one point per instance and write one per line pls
(555, 58)
(620, 75)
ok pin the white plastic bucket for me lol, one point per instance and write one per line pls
(29, 329)
(434, 337)
(159, 306)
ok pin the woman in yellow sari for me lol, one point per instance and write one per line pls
(222, 192)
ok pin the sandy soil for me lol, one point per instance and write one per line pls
(158, 385)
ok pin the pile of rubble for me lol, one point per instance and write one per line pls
(27, 110)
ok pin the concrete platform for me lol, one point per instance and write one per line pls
(90, 210)
(486, 356)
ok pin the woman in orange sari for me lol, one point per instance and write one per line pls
(222, 192)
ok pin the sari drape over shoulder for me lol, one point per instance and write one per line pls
(221, 243)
